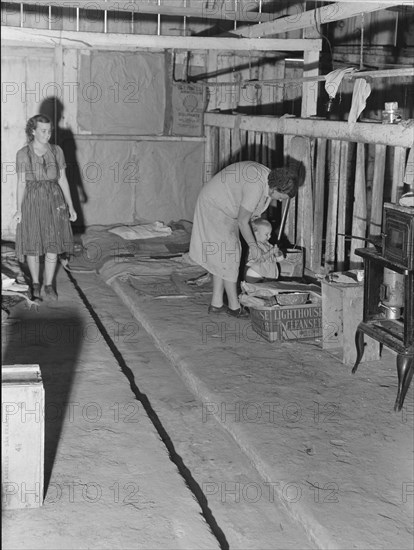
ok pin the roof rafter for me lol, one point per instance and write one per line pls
(218, 12)
(110, 41)
(311, 18)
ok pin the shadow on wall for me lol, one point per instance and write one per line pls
(53, 108)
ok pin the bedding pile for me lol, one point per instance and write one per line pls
(107, 248)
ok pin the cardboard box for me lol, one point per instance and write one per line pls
(22, 437)
(279, 323)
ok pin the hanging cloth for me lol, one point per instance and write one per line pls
(362, 90)
(334, 79)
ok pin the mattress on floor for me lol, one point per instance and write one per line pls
(101, 247)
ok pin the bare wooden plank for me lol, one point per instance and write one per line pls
(359, 218)
(201, 12)
(224, 148)
(319, 201)
(300, 159)
(290, 227)
(342, 202)
(210, 154)
(236, 145)
(264, 152)
(312, 18)
(243, 141)
(310, 89)
(271, 144)
(386, 73)
(119, 41)
(258, 147)
(398, 173)
(332, 214)
(377, 190)
(279, 91)
(396, 135)
(136, 137)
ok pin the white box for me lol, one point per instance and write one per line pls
(22, 437)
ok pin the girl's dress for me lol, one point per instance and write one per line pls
(45, 225)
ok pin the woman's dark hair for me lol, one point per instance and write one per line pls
(283, 180)
(32, 125)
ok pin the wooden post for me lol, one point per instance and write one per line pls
(290, 227)
(319, 200)
(359, 219)
(377, 190)
(224, 147)
(305, 196)
(342, 202)
(300, 161)
(398, 173)
(333, 182)
(211, 153)
(251, 145)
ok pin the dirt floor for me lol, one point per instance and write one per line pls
(207, 436)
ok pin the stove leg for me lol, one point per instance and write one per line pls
(360, 346)
(405, 368)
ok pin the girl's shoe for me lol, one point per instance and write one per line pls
(50, 294)
(239, 313)
(36, 291)
(217, 310)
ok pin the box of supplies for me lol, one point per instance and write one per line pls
(22, 436)
(279, 323)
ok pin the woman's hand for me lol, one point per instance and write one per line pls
(18, 216)
(72, 214)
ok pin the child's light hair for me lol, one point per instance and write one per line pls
(260, 222)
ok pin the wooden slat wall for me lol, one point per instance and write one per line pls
(334, 201)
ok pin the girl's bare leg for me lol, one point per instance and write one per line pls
(231, 291)
(33, 263)
(50, 268)
(218, 291)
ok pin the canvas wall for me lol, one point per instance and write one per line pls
(132, 149)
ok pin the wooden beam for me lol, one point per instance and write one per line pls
(332, 208)
(312, 18)
(202, 12)
(359, 217)
(319, 202)
(377, 195)
(313, 80)
(395, 134)
(16, 36)
(134, 137)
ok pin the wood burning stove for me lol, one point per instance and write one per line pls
(388, 314)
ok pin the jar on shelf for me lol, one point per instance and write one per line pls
(391, 114)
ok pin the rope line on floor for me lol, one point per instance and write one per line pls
(177, 460)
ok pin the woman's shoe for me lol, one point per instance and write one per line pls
(36, 291)
(217, 310)
(50, 294)
(239, 313)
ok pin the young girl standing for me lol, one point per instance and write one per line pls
(44, 205)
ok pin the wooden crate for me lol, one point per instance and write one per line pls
(342, 311)
(22, 436)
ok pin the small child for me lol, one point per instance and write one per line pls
(265, 267)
